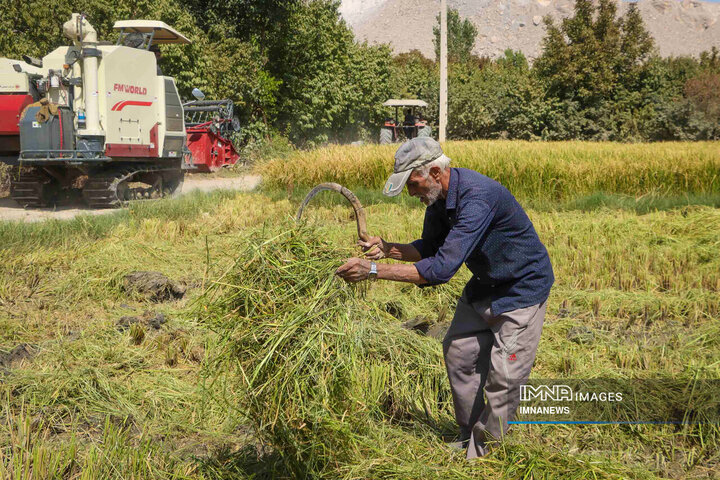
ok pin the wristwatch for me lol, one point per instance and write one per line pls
(372, 276)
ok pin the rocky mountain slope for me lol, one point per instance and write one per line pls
(680, 27)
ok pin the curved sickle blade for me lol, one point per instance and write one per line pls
(357, 207)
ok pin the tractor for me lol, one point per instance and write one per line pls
(101, 119)
(413, 124)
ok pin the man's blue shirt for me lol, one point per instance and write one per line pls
(480, 223)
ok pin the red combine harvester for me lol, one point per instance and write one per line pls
(102, 120)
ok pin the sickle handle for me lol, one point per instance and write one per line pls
(357, 207)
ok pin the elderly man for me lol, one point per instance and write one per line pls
(492, 340)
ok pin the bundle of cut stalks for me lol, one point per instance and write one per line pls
(321, 371)
(335, 388)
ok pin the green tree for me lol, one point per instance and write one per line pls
(579, 56)
(316, 83)
(636, 46)
(596, 62)
(710, 60)
(500, 100)
(414, 76)
(244, 19)
(330, 84)
(460, 37)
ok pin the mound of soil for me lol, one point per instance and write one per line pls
(150, 319)
(21, 352)
(156, 286)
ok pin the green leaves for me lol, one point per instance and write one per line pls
(332, 87)
(460, 38)
(295, 68)
(291, 66)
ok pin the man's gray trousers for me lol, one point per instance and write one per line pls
(494, 353)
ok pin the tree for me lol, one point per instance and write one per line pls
(710, 60)
(460, 37)
(319, 83)
(414, 76)
(243, 19)
(635, 48)
(597, 62)
(330, 84)
(579, 57)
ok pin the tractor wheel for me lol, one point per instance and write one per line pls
(386, 136)
(425, 131)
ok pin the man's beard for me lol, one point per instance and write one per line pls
(432, 195)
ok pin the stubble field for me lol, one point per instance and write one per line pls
(270, 367)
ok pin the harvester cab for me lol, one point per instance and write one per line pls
(99, 118)
(412, 125)
(150, 32)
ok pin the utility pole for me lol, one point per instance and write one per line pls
(443, 69)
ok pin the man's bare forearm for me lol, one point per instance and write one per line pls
(400, 273)
(404, 252)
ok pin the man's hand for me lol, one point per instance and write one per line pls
(375, 248)
(354, 270)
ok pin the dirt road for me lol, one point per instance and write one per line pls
(9, 210)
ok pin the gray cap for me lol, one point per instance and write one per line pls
(411, 155)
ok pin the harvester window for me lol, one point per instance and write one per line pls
(139, 40)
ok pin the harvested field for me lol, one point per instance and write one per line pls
(337, 388)
(269, 367)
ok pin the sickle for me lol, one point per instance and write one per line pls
(359, 212)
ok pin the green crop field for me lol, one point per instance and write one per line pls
(269, 367)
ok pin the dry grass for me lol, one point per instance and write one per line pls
(336, 389)
(96, 401)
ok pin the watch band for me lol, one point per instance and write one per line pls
(373, 271)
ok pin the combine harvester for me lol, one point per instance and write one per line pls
(101, 119)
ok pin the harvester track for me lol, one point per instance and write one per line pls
(111, 188)
(33, 189)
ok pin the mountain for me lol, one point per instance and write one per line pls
(685, 27)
